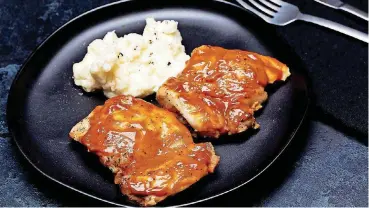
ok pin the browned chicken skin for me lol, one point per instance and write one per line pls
(150, 152)
(219, 90)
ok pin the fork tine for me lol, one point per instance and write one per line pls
(260, 14)
(278, 2)
(262, 7)
(269, 5)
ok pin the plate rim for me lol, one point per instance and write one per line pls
(308, 96)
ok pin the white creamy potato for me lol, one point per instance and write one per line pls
(134, 64)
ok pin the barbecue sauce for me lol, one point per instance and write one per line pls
(148, 149)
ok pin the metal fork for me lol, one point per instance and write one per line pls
(281, 13)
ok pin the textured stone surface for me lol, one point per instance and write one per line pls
(7, 75)
(321, 168)
(324, 168)
(25, 24)
(15, 187)
(22, 185)
(332, 172)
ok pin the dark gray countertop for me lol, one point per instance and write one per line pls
(326, 165)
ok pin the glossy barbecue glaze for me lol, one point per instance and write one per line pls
(149, 150)
(220, 89)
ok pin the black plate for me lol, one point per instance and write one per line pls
(44, 103)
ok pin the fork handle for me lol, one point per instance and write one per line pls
(334, 26)
(354, 11)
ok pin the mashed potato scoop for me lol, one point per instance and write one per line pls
(134, 64)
